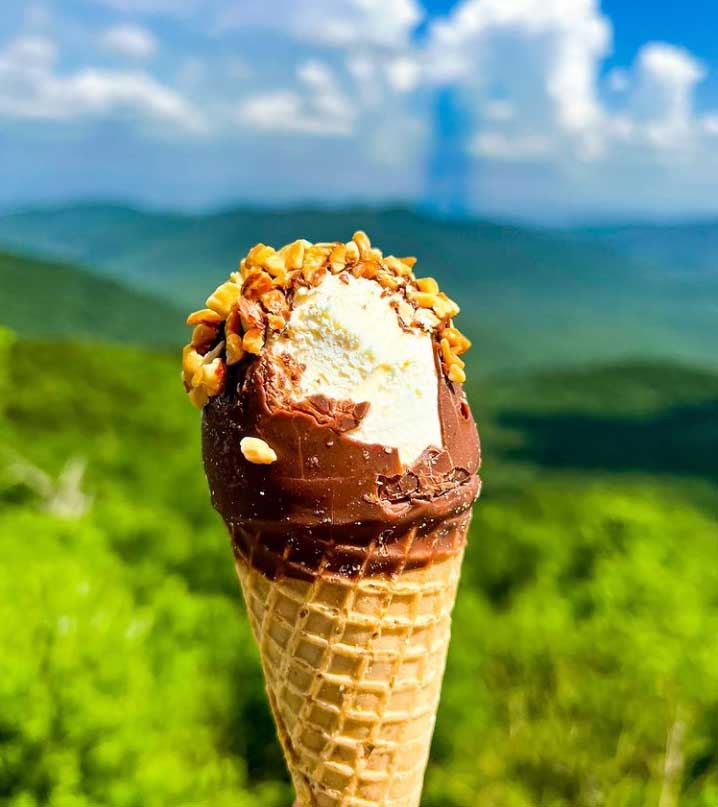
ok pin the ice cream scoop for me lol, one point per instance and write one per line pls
(342, 455)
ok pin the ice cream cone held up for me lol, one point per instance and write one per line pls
(341, 453)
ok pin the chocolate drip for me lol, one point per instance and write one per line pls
(329, 502)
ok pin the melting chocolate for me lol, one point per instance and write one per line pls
(330, 503)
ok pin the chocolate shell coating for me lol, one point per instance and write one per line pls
(329, 503)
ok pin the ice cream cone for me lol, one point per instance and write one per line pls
(353, 669)
(341, 452)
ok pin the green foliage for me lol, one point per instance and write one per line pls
(584, 663)
(46, 298)
(586, 629)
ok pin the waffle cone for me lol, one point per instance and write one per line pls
(353, 669)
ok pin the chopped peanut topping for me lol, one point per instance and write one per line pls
(444, 307)
(294, 259)
(191, 362)
(204, 316)
(198, 396)
(223, 298)
(253, 341)
(258, 298)
(427, 284)
(338, 258)
(424, 299)
(257, 451)
(203, 335)
(457, 340)
(397, 266)
(235, 351)
(368, 269)
(352, 252)
(213, 377)
(361, 239)
(259, 254)
(388, 281)
(276, 322)
(257, 283)
(456, 374)
(274, 264)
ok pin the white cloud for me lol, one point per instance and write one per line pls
(403, 73)
(540, 55)
(662, 101)
(32, 89)
(129, 40)
(319, 108)
(287, 111)
(339, 23)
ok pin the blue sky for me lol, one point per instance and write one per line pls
(545, 110)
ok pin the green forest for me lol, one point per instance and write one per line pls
(584, 665)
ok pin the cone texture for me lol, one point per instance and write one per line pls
(353, 669)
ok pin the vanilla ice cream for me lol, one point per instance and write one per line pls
(348, 339)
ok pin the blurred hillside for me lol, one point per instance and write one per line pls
(531, 298)
(48, 298)
(583, 665)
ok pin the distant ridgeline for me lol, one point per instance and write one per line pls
(45, 298)
(530, 298)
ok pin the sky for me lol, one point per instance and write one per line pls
(541, 110)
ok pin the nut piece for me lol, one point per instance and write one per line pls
(259, 254)
(459, 343)
(423, 299)
(274, 301)
(213, 375)
(274, 264)
(276, 322)
(444, 307)
(204, 316)
(361, 239)
(203, 335)
(294, 257)
(314, 267)
(427, 284)
(397, 265)
(234, 350)
(223, 298)
(253, 341)
(367, 269)
(257, 283)
(388, 281)
(352, 252)
(338, 258)
(257, 451)
(456, 374)
(191, 362)
(198, 396)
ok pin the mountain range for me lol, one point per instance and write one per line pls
(530, 297)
